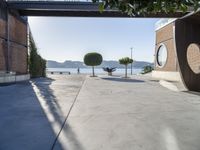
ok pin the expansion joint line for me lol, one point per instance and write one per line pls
(56, 139)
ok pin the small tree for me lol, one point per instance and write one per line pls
(93, 59)
(125, 61)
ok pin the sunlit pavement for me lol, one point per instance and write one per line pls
(134, 114)
(106, 113)
(32, 113)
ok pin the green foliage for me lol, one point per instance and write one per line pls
(93, 59)
(125, 61)
(37, 65)
(144, 7)
(147, 69)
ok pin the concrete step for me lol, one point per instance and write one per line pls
(4, 73)
(173, 85)
(8, 78)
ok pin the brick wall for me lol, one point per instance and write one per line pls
(193, 57)
(18, 43)
(2, 55)
(3, 28)
(165, 36)
(2, 36)
(18, 30)
(18, 58)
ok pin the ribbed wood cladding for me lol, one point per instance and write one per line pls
(187, 32)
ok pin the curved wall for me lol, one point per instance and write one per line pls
(182, 39)
(187, 31)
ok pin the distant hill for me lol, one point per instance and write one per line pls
(105, 63)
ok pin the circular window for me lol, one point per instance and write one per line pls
(162, 55)
(193, 57)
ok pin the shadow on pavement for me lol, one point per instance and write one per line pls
(24, 124)
(193, 93)
(122, 79)
(63, 130)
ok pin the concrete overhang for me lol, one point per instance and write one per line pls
(75, 9)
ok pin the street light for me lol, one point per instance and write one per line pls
(131, 58)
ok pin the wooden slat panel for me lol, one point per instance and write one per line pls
(187, 33)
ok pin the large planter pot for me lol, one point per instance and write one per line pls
(110, 73)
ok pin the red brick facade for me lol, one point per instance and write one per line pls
(2, 55)
(13, 55)
(165, 36)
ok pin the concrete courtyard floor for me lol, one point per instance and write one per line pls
(102, 113)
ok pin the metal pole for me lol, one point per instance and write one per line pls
(131, 58)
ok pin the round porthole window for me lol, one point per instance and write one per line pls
(162, 55)
(193, 57)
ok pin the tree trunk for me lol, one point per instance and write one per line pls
(93, 71)
(125, 71)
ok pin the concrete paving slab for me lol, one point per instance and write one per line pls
(109, 113)
(114, 115)
(23, 122)
(32, 113)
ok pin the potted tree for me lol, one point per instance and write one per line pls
(125, 61)
(109, 70)
(93, 59)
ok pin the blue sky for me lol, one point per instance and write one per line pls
(68, 38)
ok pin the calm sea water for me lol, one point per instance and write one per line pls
(97, 70)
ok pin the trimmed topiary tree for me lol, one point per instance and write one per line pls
(93, 59)
(125, 61)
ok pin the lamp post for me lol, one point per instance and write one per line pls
(131, 58)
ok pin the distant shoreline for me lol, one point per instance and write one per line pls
(79, 64)
(89, 70)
